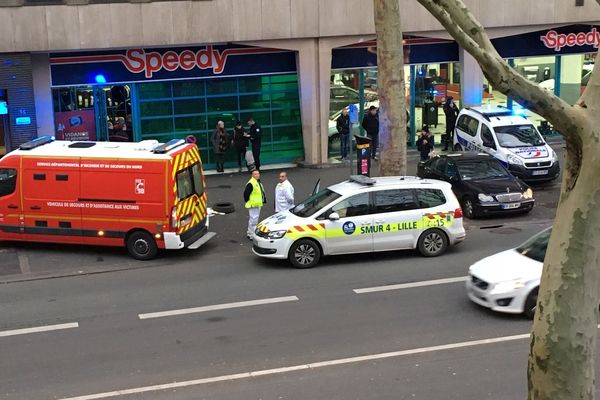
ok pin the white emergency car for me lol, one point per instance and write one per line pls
(364, 215)
(510, 138)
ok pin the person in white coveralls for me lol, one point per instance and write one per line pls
(284, 193)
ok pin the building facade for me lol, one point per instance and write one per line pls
(86, 69)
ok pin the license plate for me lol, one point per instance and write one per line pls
(540, 172)
(510, 206)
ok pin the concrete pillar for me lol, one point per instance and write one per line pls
(471, 80)
(314, 73)
(570, 77)
(44, 109)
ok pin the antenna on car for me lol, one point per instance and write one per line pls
(363, 180)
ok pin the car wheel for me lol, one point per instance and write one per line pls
(304, 253)
(224, 207)
(531, 304)
(433, 243)
(469, 208)
(141, 245)
(458, 147)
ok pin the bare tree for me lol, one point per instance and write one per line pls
(390, 88)
(563, 340)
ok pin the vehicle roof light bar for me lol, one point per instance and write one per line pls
(170, 145)
(363, 180)
(42, 140)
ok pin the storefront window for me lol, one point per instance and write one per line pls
(178, 109)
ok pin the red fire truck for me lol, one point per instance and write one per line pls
(144, 196)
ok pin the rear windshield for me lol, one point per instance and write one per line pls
(189, 182)
(518, 136)
(315, 203)
(480, 169)
(535, 247)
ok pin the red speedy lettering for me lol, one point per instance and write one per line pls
(138, 60)
(556, 41)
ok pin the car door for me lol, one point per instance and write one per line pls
(10, 204)
(351, 233)
(395, 219)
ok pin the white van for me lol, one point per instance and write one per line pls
(510, 138)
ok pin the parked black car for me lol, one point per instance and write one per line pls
(481, 184)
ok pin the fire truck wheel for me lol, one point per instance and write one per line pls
(224, 207)
(141, 245)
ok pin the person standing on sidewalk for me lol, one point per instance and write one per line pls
(220, 144)
(425, 143)
(284, 193)
(240, 143)
(451, 112)
(254, 196)
(255, 140)
(342, 124)
(370, 123)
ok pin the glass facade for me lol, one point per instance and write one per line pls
(176, 109)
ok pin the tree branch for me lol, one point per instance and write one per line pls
(470, 35)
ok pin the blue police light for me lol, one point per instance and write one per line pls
(100, 78)
(3, 108)
(519, 111)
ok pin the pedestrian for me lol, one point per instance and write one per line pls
(451, 112)
(370, 123)
(255, 140)
(425, 143)
(254, 196)
(240, 143)
(342, 124)
(220, 144)
(284, 193)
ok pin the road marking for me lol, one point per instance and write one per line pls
(276, 371)
(411, 285)
(218, 307)
(39, 329)
(24, 264)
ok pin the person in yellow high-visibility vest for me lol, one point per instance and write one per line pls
(254, 196)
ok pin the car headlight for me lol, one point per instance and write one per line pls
(507, 286)
(485, 198)
(277, 234)
(528, 194)
(554, 156)
(514, 160)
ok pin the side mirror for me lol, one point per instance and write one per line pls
(334, 216)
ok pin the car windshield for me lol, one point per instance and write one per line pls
(535, 247)
(314, 203)
(480, 169)
(518, 136)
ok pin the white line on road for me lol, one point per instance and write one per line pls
(218, 307)
(275, 371)
(39, 329)
(410, 285)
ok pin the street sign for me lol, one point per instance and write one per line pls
(353, 112)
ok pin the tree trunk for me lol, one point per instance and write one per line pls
(390, 88)
(563, 341)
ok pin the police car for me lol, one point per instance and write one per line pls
(364, 215)
(510, 138)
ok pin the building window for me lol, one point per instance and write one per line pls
(177, 109)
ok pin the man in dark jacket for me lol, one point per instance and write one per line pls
(255, 140)
(370, 123)
(240, 142)
(343, 127)
(451, 111)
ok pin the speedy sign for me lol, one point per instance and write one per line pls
(556, 41)
(139, 65)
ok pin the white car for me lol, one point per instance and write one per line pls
(508, 281)
(364, 215)
(511, 139)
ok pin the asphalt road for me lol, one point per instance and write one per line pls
(259, 329)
